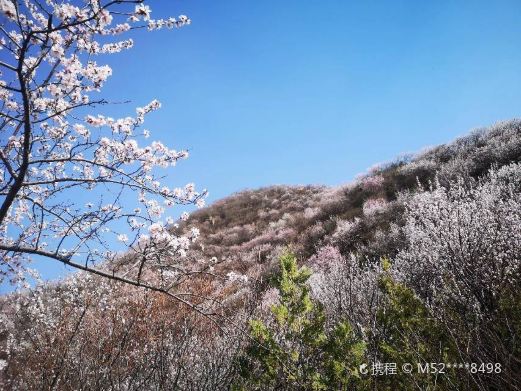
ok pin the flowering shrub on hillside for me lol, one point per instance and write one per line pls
(463, 258)
(374, 205)
(464, 240)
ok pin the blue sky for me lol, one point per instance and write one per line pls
(314, 92)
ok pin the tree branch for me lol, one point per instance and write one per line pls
(67, 261)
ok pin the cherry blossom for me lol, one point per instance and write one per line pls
(60, 146)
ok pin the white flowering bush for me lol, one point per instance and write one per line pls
(463, 259)
(347, 285)
(94, 333)
(344, 229)
(374, 206)
(57, 146)
(464, 240)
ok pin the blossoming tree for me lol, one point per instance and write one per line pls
(57, 148)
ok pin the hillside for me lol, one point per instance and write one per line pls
(446, 219)
(356, 216)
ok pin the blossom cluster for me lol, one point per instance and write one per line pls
(69, 149)
(236, 277)
(464, 240)
(374, 205)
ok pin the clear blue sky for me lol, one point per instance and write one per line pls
(314, 92)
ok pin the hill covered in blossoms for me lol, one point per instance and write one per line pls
(418, 260)
(361, 217)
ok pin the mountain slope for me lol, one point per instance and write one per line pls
(307, 217)
(446, 219)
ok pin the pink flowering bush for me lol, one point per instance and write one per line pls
(372, 182)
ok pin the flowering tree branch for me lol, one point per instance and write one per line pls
(56, 151)
(112, 276)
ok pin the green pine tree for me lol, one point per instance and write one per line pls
(296, 351)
